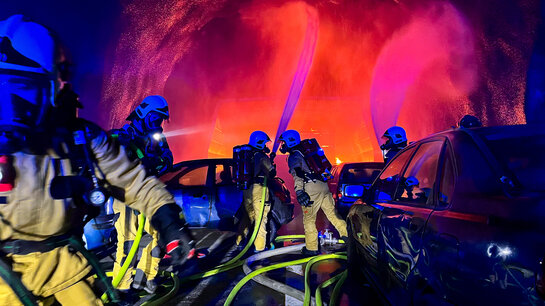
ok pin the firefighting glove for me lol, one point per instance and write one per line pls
(303, 198)
(174, 235)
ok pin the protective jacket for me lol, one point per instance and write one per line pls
(312, 184)
(154, 154)
(391, 153)
(252, 198)
(300, 170)
(262, 165)
(29, 213)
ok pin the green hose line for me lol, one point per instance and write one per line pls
(335, 294)
(235, 261)
(212, 272)
(163, 299)
(93, 261)
(256, 228)
(292, 237)
(13, 281)
(289, 237)
(130, 256)
(248, 277)
(318, 293)
(315, 259)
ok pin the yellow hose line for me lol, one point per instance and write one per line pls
(130, 256)
(289, 237)
(315, 259)
(163, 299)
(318, 293)
(256, 229)
(235, 261)
(292, 237)
(335, 294)
(242, 282)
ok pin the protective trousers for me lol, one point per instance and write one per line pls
(322, 198)
(146, 269)
(44, 274)
(252, 203)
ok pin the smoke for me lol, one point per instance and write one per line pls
(425, 73)
(226, 69)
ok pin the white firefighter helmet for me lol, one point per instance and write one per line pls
(27, 46)
(27, 73)
(154, 103)
(258, 140)
(291, 138)
(396, 134)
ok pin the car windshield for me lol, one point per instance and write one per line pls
(360, 174)
(524, 158)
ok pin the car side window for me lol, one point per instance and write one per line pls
(416, 185)
(223, 175)
(448, 179)
(194, 177)
(385, 186)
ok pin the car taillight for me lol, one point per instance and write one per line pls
(339, 194)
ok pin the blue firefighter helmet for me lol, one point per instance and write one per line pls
(258, 140)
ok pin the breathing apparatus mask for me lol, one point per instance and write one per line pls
(283, 147)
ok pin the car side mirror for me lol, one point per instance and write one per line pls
(354, 191)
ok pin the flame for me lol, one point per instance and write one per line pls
(338, 161)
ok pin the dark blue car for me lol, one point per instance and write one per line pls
(457, 217)
(350, 180)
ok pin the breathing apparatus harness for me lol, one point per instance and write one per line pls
(245, 165)
(317, 162)
(89, 194)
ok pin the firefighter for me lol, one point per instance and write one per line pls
(252, 197)
(312, 193)
(469, 121)
(395, 139)
(54, 176)
(144, 135)
(143, 140)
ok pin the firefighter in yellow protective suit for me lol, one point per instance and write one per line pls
(252, 197)
(312, 193)
(144, 141)
(55, 175)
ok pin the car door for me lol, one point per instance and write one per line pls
(191, 187)
(228, 197)
(405, 215)
(382, 191)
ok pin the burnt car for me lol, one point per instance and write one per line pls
(350, 180)
(457, 217)
(205, 191)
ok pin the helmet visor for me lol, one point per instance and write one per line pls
(24, 99)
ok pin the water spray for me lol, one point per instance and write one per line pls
(303, 67)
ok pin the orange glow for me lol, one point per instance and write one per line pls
(226, 70)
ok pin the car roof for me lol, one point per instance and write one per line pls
(205, 161)
(494, 132)
(369, 164)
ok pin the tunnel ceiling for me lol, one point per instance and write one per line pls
(228, 67)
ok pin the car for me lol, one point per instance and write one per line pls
(350, 179)
(205, 191)
(457, 217)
